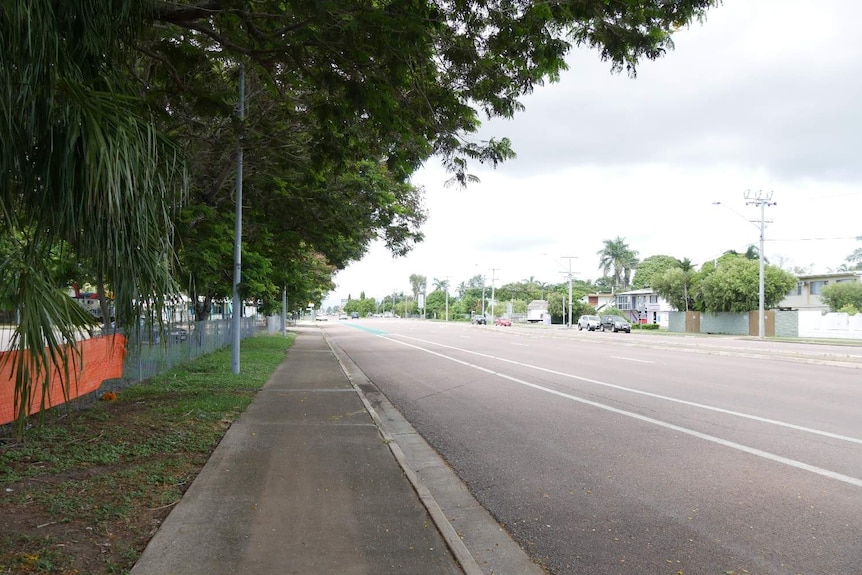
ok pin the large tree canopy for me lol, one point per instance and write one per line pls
(651, 268)
(101, 101)
(733, 285)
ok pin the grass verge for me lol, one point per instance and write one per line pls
(85, 492)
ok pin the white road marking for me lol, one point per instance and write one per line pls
(631, 359)
(653, 395)
(706, 437)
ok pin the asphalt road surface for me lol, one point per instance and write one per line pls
(645, 454)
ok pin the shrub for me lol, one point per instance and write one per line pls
(849, 309)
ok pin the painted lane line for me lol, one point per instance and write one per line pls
(704, 436)
(631, 359)
(655, 395)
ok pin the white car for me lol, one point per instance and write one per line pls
(589, 322)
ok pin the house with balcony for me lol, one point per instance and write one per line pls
(806, 294)
(644, 306)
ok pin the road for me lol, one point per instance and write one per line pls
(629, 454)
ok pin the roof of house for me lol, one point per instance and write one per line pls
(644, 291)
(831, 275)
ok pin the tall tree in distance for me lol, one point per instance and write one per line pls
(418, 283)
(618, 260)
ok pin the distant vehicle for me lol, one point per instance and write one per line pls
(615, 323)
(503, 321)
(479, 320)
(354, 315)
(321, 317)
(178, 334)
(537, 310)
(589, 322)
(342, 316)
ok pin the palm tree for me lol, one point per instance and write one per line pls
(91, 179)
(617, 257)
(442, 285)
(541, 286)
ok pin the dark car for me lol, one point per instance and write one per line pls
(354, 315)
(479, 320)
(178, 334)
(615, 323)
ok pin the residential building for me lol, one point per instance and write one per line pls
(600, 300)
(806, 294)
(644, 306)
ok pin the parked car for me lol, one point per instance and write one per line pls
(615, 323)
(479, 320)
(178, 334)
(503, 321)
(589, 322)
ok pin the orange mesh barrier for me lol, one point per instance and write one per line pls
(102, 359)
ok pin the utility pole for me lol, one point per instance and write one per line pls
(492, 292)
(447, 297)
(761, 200)
(569, 275)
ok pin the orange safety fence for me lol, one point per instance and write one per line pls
(102, 358)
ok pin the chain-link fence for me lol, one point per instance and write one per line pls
(152, 353)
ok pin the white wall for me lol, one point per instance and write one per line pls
(830, 325)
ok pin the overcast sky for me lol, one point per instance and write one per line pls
(763, 96)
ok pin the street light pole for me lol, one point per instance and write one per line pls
(447, 297)
(569, 275)
(236, 317)
(761, 200)
(492, 292)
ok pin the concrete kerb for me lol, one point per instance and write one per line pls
(495, 549)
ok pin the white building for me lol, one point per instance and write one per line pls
(644, 306)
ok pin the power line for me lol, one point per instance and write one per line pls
(814, 239)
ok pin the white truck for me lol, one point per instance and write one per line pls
(537, 310)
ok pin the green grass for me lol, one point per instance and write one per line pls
(112, 471)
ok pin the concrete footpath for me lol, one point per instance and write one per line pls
(321, 475)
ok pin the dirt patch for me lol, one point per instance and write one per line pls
(89, 518)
